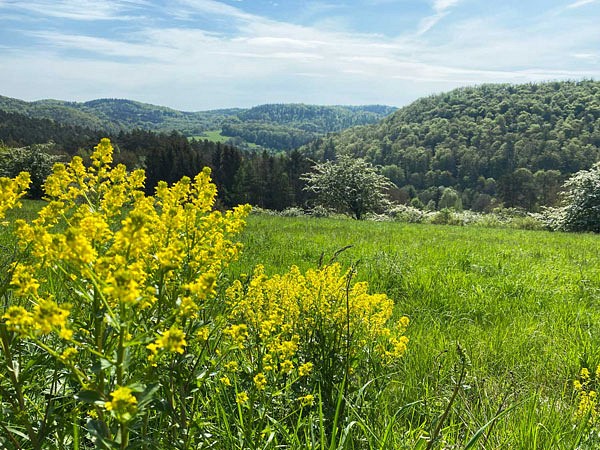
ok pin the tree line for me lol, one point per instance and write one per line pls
(260, 178)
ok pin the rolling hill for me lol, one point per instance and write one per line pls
(276, 127)
(496, 142)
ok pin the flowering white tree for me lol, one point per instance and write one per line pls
(582, 202)
(349, 185)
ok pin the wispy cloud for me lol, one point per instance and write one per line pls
(441, 9)
(84, 10)
(213, 7)
(580, 3)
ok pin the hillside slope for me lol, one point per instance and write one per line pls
(509, 143)
(287, 126)
(278, 127)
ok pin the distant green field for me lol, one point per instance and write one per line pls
(216, 136)
(524, 305)
(213, 136)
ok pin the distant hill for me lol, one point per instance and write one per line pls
(277, 127)
(494, 143)
(287, 126)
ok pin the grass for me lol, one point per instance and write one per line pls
(517, 311)
(216, 136)
(523, 305)
(213, 136)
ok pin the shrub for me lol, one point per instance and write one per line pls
(403, 213)
(35, 160)
(292, 211)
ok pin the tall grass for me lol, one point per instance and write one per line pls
(523, 305)
(502, 321)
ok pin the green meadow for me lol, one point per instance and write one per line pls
(523, 307)
(501, 323)
(213, 136)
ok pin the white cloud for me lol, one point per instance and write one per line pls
(443, 5)
(262, 60)
(441, 9)
(580, 3)
(84, 10)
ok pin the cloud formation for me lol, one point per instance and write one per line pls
(201, 54)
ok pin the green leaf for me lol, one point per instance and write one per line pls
(89, 396)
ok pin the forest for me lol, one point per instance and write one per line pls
(275, 127)
(494, 145)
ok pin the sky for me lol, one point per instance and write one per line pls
(198, 55)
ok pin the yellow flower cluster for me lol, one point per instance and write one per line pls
(293, 329)
(46, 316)
(117, 246)
(11, 190)
(286, 313)
(123, 404)
(172, 340)
(306, 400)
(587, 395)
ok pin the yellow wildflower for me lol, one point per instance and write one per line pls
(19, 320)
(172, 340)
(203, 334)
(11, 190)
(123, 404)
(24, 281)
(241, 398)
(239, 333)
(305, 369)
(306, 400)
(232, 366)
(286, 366)
(48, 315)
(68, 354)
(260, 381)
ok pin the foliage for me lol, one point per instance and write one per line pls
(348, 185)
(582, 197)
(586, 387)
(288, 126)
(35, 160)
(118, 307)
(524, 139)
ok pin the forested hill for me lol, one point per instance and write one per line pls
(277, 127)
(287, 126)
(118, 115)
(497, 142)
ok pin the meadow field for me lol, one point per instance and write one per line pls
(501, 324)
(524, 307)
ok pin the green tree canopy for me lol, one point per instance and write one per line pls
(348, 185)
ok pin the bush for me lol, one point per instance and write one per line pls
(403, 213)
(292, 212)
(320, 211)
(35, 160)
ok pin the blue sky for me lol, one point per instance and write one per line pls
(205, 54)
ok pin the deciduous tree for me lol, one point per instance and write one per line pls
(349, 185)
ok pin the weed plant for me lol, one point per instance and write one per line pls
(120, 329)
